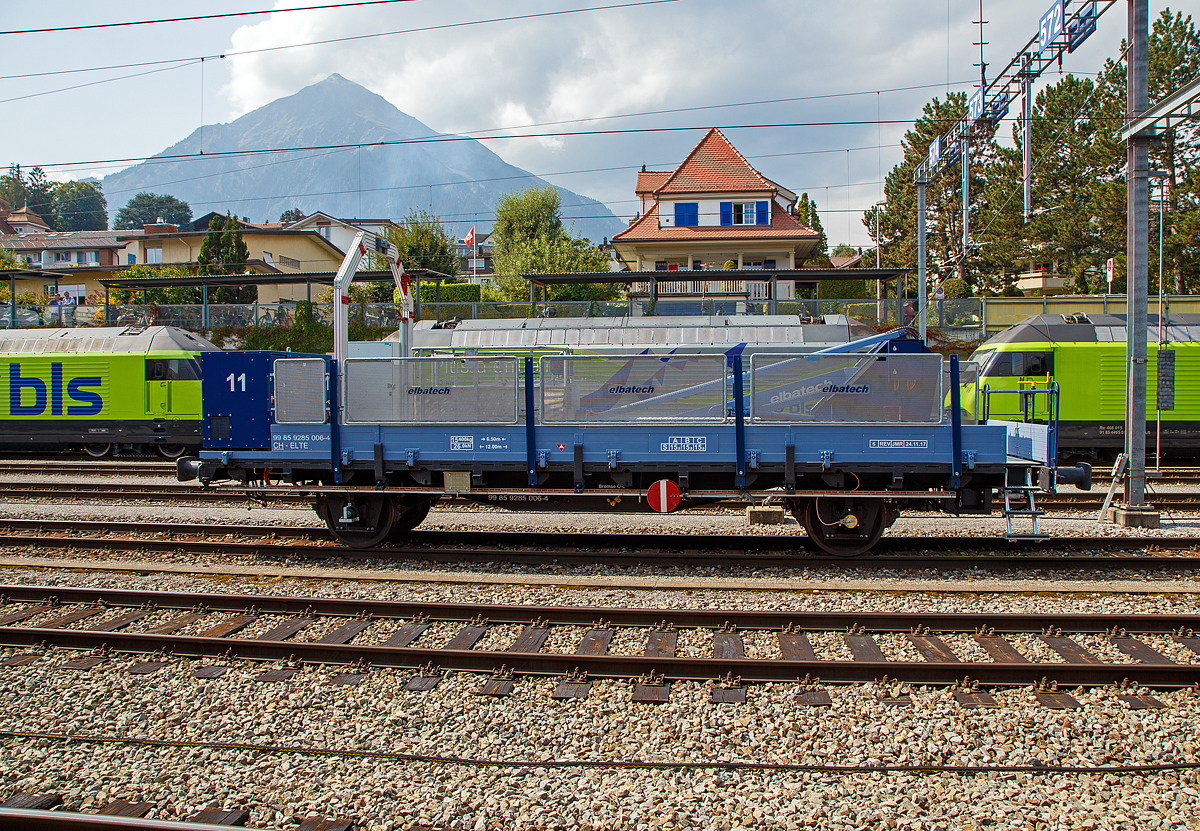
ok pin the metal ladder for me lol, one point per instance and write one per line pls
(1026, 492)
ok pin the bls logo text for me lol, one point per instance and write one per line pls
(83, 401)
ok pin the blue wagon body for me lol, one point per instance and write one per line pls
(846, 440)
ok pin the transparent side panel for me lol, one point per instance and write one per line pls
(968, 391)
(425, 390)
(300, 391)
(875, 389)
(577, 390)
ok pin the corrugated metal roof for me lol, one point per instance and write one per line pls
(108, 339)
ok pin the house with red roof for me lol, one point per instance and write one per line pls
(713, 209)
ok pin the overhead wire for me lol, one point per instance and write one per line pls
(193, 18)
(349, 38)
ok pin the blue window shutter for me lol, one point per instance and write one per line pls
(680, 214)
(761, 214)
(726, 213)
(687, 213)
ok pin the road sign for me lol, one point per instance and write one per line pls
(941, 292)
(1108, 267)
(663, 496)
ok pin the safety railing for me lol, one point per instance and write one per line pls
(430, 390)
(864, 389)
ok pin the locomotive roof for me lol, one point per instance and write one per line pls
(1094, 328)
(107, 339)
(683, 330)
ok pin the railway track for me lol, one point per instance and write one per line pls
(187, 492)
(152, 466)
(277, 543)
(40, 812)
(870, 646)
(74, 467)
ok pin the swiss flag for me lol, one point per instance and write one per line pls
(469, 241)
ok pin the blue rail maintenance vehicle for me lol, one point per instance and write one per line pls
(846, 438)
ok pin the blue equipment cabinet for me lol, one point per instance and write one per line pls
(237, 389)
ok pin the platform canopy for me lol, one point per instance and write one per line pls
(800, 275)
(214, 280)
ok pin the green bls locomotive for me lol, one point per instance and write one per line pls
(1085, 354)
(124, 390)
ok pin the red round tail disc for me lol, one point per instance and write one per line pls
(664, 496)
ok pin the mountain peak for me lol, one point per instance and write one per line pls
(387, 176)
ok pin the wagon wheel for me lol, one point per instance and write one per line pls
(97, 450)
(171, 451)
(844, 528)
(409, 514)
(359, 521)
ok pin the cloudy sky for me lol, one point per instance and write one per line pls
(467, 66)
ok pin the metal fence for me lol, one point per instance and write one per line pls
(968, 319)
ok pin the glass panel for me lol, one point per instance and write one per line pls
(643, 388)
(299, 391)
(875, 389)
(431, 390)
(968, 391)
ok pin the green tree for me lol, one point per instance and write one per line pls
(224, 252)
(528, 238)
(9, 260)
(12, 186)
(148, 208)
(806, 213)
(291, 215)
(533, 213)
(424, 242)
(943, 198)
(956, 289)
(1174, 61)
(552, 256)
(168, 295)
(39, 196)
(32, 191)
(79, 206)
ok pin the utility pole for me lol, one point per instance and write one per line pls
(1027, 141)
(1136, 512)
(922, 288)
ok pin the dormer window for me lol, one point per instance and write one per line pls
(746, 213)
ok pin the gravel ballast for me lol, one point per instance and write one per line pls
(450, 758)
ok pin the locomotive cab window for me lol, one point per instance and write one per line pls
(173, 369)
(1016, 364)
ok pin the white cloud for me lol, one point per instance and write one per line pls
(689, 53)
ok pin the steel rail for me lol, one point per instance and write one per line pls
(186, 492)
(963, 622)
(58, 467)
(436, 661)
(20, 819)
(629, 550)
(614, 666)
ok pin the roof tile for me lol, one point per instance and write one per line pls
(714, 166)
